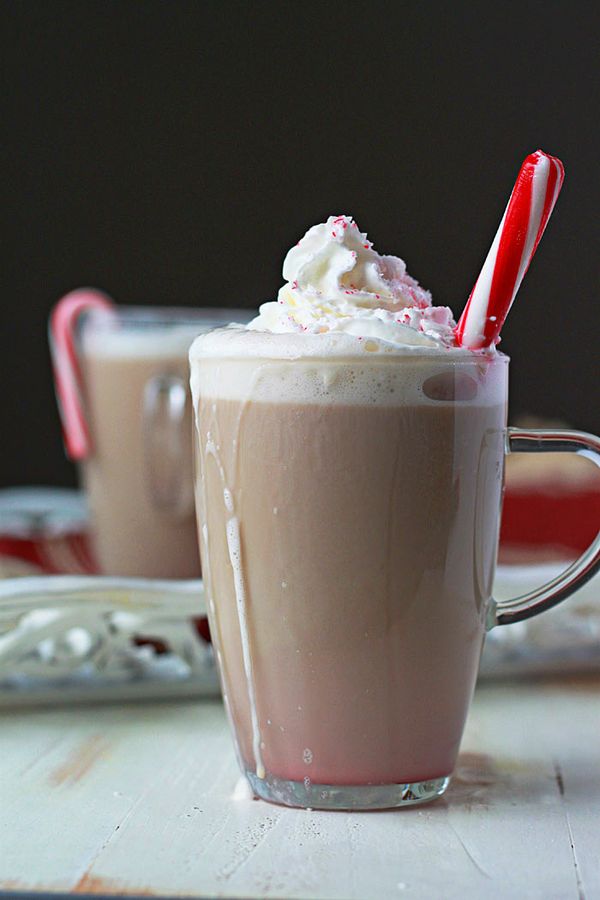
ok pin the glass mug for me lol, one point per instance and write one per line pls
(137, 466)
(349, 513)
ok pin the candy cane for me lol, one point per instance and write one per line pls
(65, 364)
(532, 200)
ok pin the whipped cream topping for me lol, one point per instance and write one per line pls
(337, 282)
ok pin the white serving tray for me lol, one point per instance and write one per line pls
(71, 638)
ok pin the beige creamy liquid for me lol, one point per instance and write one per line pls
(132, 535)
(349, 615)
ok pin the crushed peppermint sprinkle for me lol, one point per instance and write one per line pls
(294, 285)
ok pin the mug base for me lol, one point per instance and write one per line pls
(307, 795)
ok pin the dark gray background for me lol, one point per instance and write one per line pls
(171, 152)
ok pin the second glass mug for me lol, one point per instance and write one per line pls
(132, 365)
(349, 549)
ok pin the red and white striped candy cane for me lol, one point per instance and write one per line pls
(532, 200)
(65, 364)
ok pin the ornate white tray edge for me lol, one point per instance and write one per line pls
(83, 639)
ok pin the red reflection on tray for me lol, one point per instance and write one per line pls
(551, 507)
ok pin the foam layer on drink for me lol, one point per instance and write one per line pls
(376, 379)
(116, 342)
(137, 332)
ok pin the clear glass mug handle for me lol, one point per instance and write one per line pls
(518, 440)
(167, 445)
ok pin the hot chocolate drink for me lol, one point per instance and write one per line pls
(122, 385)
(349, 551)
(349, 486)
(137, 477)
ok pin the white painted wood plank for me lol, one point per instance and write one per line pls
(535, 733)
(576, 760)
(92, 769)
(141, 798)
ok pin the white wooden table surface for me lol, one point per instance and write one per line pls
(142, 799)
